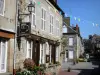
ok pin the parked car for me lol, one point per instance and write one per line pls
(82, 59)
(87, 57)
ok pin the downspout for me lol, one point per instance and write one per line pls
(15, 38)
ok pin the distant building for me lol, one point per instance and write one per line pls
(74, 46)
(95, 41)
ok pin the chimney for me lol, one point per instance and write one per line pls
(55, 1)
(77, 27)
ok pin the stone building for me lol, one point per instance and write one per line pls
(7, 33)
(74, 47)
(42, 43)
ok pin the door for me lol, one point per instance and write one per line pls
(53, 54)
(36, 52)
(3, 56)
(66, 55)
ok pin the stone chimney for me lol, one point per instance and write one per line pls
(55, 1)
(77, 28)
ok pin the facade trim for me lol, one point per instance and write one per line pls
(6, 34)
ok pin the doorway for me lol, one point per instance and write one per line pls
(36, 52)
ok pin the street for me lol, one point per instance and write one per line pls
(82, 68)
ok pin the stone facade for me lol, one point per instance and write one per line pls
(73, 46)
(7, 32)
(45, 45)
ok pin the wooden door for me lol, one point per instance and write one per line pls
(36, 52)
(53, 54)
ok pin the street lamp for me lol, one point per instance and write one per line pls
(24, 26)
(31, 7)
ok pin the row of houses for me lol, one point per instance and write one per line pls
(33, 29)
(72, 41)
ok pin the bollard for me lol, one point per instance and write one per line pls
(68, 69)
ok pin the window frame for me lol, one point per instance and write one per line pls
(57, 27)
(3, 9)
(34, 13)
(72, 41)
(6, 45)
(65, 29)
(29, 46)
(51, 23)
(43, 18)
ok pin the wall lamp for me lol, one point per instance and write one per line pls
(31, 8)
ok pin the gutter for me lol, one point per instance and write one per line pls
(15, 38)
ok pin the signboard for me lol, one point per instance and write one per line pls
(25, 28)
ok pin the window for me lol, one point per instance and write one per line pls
(43, 19)
(51, 24)
(29, 49)
(42, 53)
(50, 52)
(3, 56)
(34, 17)
(64, 29)
(57, 53)
(70, 41)
(71, 54)
(1, 7)
(57, 24)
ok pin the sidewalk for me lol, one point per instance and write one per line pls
(67, 73)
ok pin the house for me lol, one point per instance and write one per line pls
(94, 45)
(7, 35)
(74, 47)
(43, 41)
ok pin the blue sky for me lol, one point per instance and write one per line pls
(87, 10)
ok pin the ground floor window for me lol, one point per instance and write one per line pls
(29, 49)
(3, 55)
(57, 53)
(70, 54)
(42, 53)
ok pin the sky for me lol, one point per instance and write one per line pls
(85, 13)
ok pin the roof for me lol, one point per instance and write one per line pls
(56, 6)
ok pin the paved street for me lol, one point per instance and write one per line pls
(82, 68)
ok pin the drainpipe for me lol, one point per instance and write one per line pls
(15, 38)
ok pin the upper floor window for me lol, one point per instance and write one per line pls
(34, 16)
(64, 29)
(71, 41)
(1, 7)
(57, 26)
(43, 19)
(51, 23)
